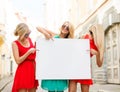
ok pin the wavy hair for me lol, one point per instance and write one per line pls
(98, 34)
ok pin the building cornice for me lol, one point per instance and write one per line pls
(92, 14)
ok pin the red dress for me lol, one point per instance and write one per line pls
(25, 73)
(92, 46)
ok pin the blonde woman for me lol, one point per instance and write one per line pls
(24, 54)
(96, 37)
(66, 31)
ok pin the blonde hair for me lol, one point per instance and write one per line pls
(98, 34)
(71, 29)
(21, 29)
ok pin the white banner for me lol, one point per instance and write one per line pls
(63, 59)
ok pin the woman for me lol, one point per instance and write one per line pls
(96, 37)
(66, 31)
(24, 55)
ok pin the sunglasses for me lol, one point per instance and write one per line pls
(27, 34)
(65, 27)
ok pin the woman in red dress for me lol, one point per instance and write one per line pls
(24, 55)
(96, 37)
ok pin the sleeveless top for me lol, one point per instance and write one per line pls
(25, 72)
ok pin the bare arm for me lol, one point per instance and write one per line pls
(48, 34)
(98, 61)
(20, 59)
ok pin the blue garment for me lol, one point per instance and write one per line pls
(54, 85)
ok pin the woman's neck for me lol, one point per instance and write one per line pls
(63, 35)
(24, 42)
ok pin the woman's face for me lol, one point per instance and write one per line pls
(91, 30)
(90, 34)
(65, 28)
(25, 35)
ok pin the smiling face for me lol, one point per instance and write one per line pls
(67, 30)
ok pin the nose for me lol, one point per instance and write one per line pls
(66, 28)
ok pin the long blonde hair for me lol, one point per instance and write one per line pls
(98, 34)
(71, 29)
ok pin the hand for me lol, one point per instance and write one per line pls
(48, 36)
(94, 52)
(31, 50)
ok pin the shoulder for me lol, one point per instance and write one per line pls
(30, 40)
(15, 43)
(86, 36)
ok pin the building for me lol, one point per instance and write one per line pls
(107, 13)
(7, 26)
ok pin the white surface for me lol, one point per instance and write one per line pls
(63, 59)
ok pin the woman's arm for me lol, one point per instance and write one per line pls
(48, 34)
(98, 61)
(20, 59)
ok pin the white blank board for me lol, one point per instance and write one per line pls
(63, 59)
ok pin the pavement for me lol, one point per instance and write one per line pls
(5, 81)
(6, 85)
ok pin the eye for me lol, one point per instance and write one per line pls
(65, 27)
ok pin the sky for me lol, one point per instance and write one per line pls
(29, 8)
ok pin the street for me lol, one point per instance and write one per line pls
(94, 88)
